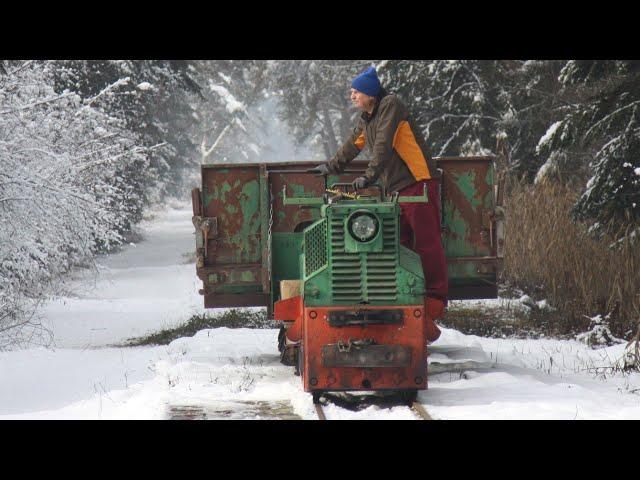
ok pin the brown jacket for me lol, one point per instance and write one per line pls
(400, 154)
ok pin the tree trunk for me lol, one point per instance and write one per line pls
(328, 153)
(329, 134)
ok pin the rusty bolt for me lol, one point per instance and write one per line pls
(313, 381)
(418, 380)
(313, 314)
(417, 313)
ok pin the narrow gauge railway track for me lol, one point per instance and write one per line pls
(234, 410)
(355, 402)
(283, 410)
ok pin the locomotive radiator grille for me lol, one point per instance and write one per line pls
(315, 248)
(364, 277)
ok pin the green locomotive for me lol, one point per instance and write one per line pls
(330, 267)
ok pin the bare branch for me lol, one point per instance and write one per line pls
(207, 152)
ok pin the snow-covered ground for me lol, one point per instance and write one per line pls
(235, 373)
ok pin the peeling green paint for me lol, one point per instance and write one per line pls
(207, 196)
(488, 199)
(466, 182)
(456, 244)
(245, 239)
(241, 276)
(218, 193)
(297, 190)
(224, 189)
(489, 177)
(247, 277)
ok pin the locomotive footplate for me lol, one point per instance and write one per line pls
(352, 355)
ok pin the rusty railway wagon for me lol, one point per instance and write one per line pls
(329, 267)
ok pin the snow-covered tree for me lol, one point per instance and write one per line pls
(479, 107)
(530, 100)
(314, 99)
(453, 101)
(155, 100)
(62, 192)
(598, 131)
(238, 120)
(229, 89)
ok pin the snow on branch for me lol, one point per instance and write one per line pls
(453, 137)
(65, 190)
(206, 152)
(35, 104)
(118, 83)
(231, 104)
(608, 117)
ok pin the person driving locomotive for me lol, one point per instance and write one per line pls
(402, 163)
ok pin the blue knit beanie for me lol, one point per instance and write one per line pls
(367, 82)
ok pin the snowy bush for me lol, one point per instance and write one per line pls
(599, 334)
(62, 193)
(597, 136)
(612, 195)
(155, 101)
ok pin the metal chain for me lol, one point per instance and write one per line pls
(269, 231)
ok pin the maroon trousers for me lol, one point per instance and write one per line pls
(420, 231)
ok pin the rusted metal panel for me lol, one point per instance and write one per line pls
(469, 226)
(290, 218)
(226, 277)
(232, 196)
(231, 300)
(318, 333)
(336, 355)
(365, 317)
(468, 199)
(196, 202)
(266, 213)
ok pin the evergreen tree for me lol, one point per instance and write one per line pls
(314, 99)
(224, 127)
(530, 93)
(151, 97)
(598, 130)
(454, 102)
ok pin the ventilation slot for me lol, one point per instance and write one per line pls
(315, 248)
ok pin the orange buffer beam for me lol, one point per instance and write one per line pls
(393, 355)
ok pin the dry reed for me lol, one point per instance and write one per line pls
(550, 254)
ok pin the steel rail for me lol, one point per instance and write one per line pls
(420, 410)
(320, 412)
(417, 407)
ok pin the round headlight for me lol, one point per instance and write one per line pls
(363, 227)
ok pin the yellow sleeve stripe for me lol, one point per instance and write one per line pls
(405, 144)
